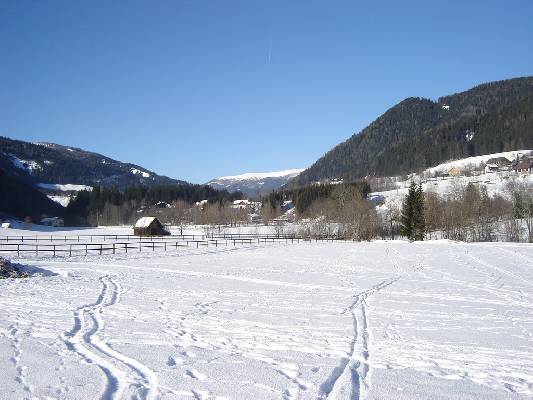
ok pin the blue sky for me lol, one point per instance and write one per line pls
(199, 89)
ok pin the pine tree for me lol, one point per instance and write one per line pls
(413, 223)
(407, 217)
(419, 218)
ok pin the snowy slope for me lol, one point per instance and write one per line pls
(252, 183)
(340, 320)
(496, 183)
(475, 162)
(52, 163)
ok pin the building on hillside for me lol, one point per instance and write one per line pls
(454, 171)
(161, 204)
(53, 221)
(524, 166)
(501, 162)
(246, 205)
(6, 225)
(491, 168)
(149, 226)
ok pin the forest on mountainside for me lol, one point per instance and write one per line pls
(418, 133)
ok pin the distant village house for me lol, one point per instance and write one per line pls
(491, 168)
(454, 171)
(524, 166)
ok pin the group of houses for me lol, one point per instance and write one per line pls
(521, 165)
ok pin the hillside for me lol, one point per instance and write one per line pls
(419, 133)
(252, 184)
(51, 163)
(22, 200)
(436, 180)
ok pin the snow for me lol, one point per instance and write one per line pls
(253, 184)
(496, 182)
(389, 320)
(60, 199)
(144, 222)
(68, 187)
(290, 173)
(476, 161)
(29, 165)
(136, 171)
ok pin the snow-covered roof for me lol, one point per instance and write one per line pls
(144, 222)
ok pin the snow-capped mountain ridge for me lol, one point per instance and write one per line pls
(261, 175)
(255, 183)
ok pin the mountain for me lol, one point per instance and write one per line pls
(49, 163)
(251, 184)
(22, 200)
(418, 133)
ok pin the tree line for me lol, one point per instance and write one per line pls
(111, 206)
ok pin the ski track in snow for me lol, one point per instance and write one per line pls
(126, 377)
(275, 322)
(350, 380)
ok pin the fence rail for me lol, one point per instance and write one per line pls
(165, 243)
(91, 238)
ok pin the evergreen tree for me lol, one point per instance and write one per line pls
(419, 218)
(412, 219)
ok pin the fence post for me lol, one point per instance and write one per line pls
(126, 247)
(70, 251)
(101, 248)
(54, 250)
(113, 248)
(85, 248)
(153, 246)
(18, 250)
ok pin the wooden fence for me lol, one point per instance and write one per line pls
(72, 245)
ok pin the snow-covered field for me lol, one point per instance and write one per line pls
(341, 320)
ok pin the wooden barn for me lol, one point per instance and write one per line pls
(149, 226)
